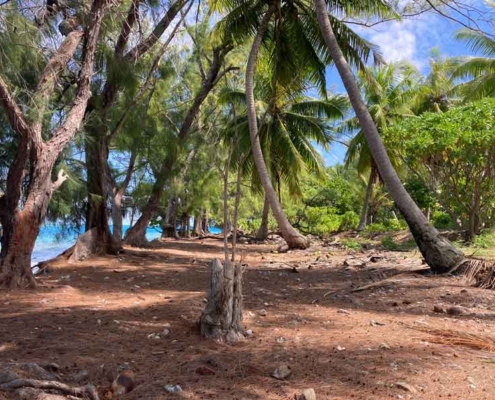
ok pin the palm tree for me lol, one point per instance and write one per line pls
(298, 51)
(387, 92)
(438, 252)
(481, 69)
(290, 125)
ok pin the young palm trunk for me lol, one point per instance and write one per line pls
(438, 252)
(263, 230)
(369, 192)
(293, 238)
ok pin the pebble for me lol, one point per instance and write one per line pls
(439, 309)
(171, 388)
(342, 311)
(262, 313)
(282, 372)
(280, 340)
(340, 348)
(384, 346)
(456, 310)
(166, 332)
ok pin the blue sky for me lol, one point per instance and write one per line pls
(411, 40)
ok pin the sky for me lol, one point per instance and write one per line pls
(410, 40)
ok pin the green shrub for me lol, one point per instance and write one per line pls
(442, 220)
(395, 225)
(485, 240)
(351, 244)
(388, 243)
(349, 221)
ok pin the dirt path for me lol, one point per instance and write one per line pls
(373, 344)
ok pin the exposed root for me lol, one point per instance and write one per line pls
(478, 273)
(455, 338)
(88, 391)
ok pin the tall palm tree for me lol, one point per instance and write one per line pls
(480, 70)
(387, 92)
(298, 50)
(438, 252)
(290, 125)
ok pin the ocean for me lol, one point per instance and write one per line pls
(51, 242)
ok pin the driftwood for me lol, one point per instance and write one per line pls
(222, 317)
(87, 390)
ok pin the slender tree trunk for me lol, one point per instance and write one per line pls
(237, 202)
(117, 216)
(206, 222)
(438, 252)
(369, 192)
(198, 225)
(263, 230)
(293, 238)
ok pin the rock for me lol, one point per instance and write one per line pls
(456, 310)
(340, 348)
(282, 372)
(166, 332)
(249, 332)
(307, 394)
(280, 340)
(342, 311)
(172, 388)
(205, 371)
(405, 386)
(124, 383)
(384, 346)
(438, 308)
(262, 313)
(377, 323)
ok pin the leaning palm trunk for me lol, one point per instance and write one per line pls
(291, 236)
(438, 252)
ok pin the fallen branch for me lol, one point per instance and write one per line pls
(87, 390)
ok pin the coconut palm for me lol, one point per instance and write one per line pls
(298, 50)
(387, 92)
(480, 70)
(290, 126)
(438, 252)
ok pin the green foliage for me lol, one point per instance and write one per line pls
(390, 225)
(389, 243)
(485, 240)
(442, 220)
(351, 244)
(349, 221)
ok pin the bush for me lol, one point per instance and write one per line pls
(349, 221)
(485, 240)
(442, 220)
(388, 243)
(351, 244)
(390, 225)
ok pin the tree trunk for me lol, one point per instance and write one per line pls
(206, 222)
(263, 230)
(438, 252)
(117, 216)
(198, 226)
(222, 317)
(366, 205)
(291, 236)
(169, 222)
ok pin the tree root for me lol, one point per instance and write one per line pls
(87, 390)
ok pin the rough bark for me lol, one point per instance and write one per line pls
(263, 230)
(293, 238)
(198, 226)
(222, 317)
(438, 252)
(16, 260)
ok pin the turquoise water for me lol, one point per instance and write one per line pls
(51, 243)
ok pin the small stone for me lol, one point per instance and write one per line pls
(249, 332)
(340, 348)
(167, 325)
(307, 394)
(456, 310)
(262, 313)
(376, 323)
(166, 332)
(439, 309)
(154, 336)
(280, 340)
(171, 388)
(384, 346)
(342, 311)
(106, 278)
(282, 372)
(405, 386)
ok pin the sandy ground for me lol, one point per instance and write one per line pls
(372, 344)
